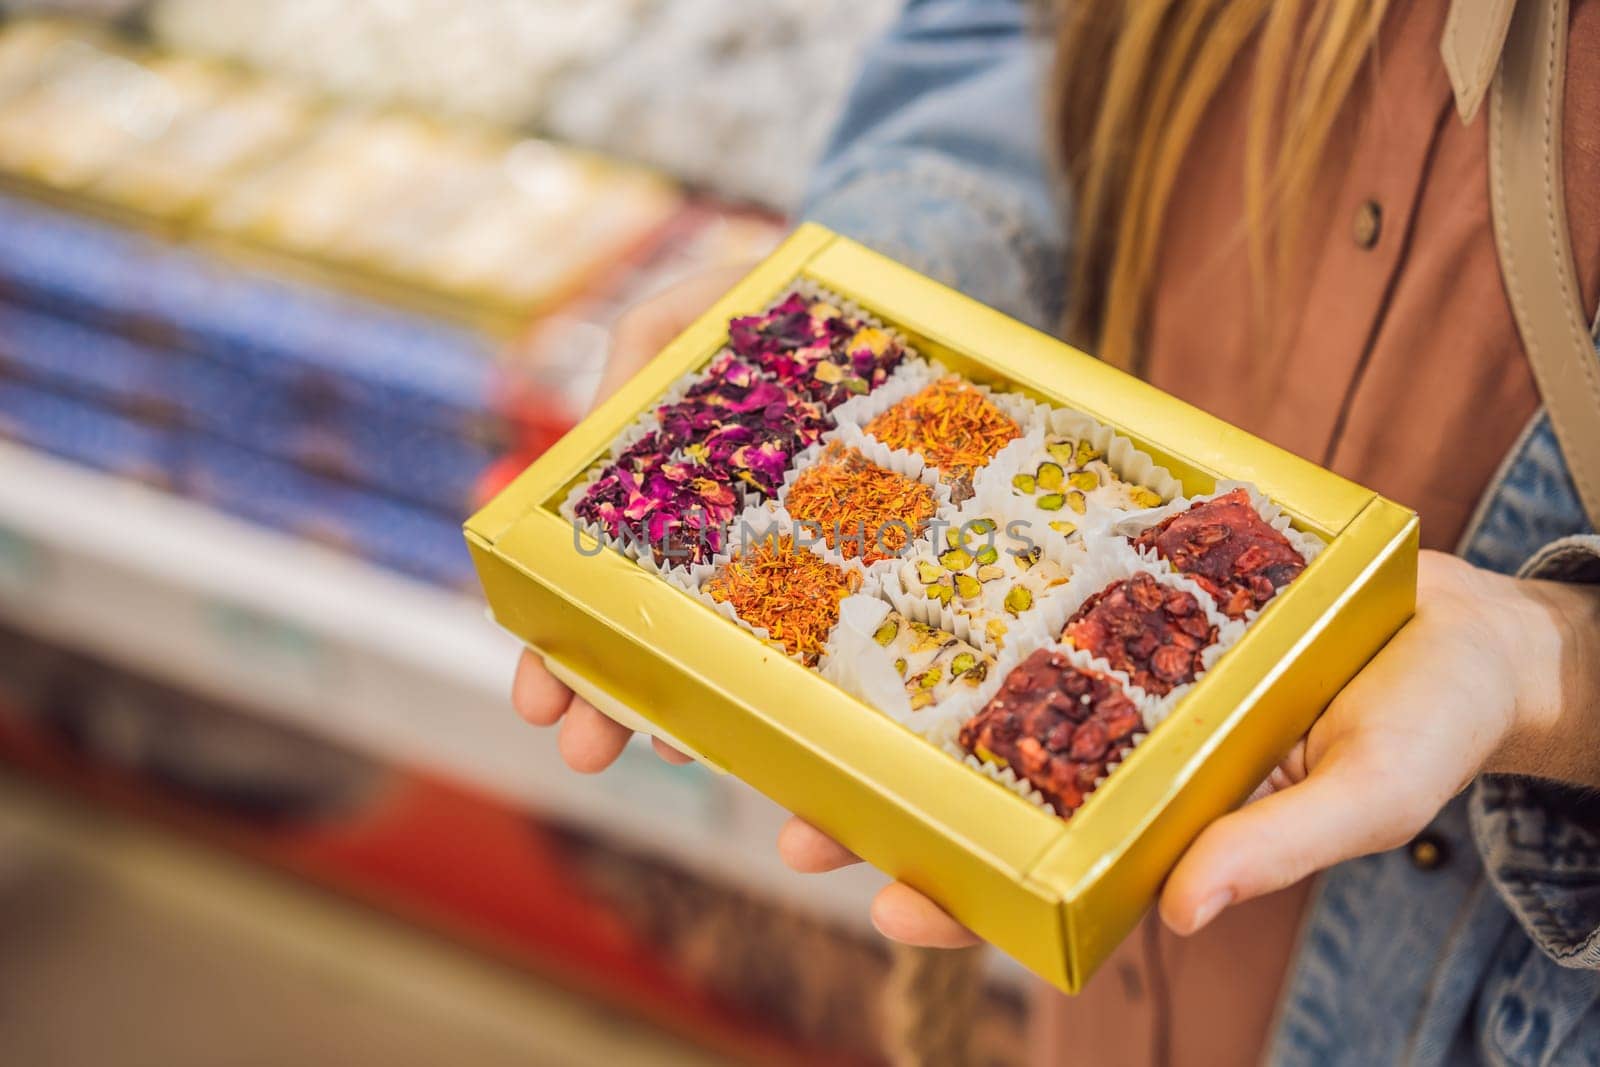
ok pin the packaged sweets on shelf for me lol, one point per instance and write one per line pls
(1007, 623)
(375, 199)
(174, 174)
(81, 116)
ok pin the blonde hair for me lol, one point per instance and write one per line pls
(1133, 80)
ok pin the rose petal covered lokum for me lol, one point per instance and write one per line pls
(678, 509)
(1152, 633)
(952, 425)
(814, 348)
(1070, 476)
(931, 662)
(1056, 725)
(785, 589)
(864, 510)
(1229, 549)
(741, 425)
(978, 572)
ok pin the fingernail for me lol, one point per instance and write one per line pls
(1209, 909)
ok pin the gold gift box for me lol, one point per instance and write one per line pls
(1058, 895)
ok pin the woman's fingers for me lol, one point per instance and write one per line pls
(670, 754)
(536, 694)
(1354, 803)
(899, 912)
(902, 914)
(590, 742)
(810, 851)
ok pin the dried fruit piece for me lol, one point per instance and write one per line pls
(1061, 727)
(1154, 634)
(1229, 549)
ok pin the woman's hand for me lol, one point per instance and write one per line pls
(1492, 674)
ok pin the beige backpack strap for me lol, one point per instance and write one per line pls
(1530, 224)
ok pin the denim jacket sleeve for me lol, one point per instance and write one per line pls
(939, 161)
(1540, 841)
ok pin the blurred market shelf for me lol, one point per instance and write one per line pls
(354, 653)
(129, 945)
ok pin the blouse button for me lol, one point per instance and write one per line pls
(1369, 224)
(1428, 853)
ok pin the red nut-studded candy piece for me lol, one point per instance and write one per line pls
(1225, 546)
(1153, 634)
(1056, 725)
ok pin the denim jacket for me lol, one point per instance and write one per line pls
(1493, 954)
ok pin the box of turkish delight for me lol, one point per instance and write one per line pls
(1011, 625)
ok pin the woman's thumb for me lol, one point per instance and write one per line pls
(1337, 813)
